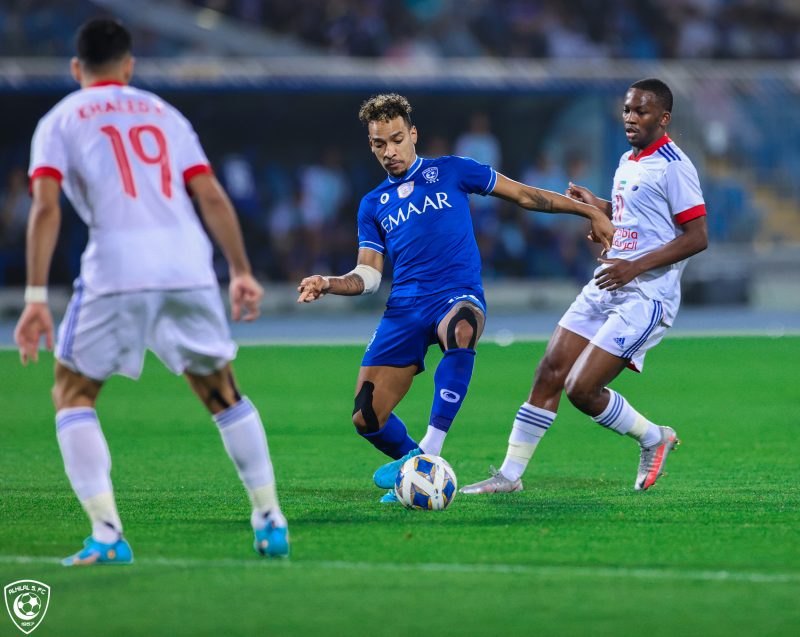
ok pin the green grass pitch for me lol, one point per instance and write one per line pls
(713, 549)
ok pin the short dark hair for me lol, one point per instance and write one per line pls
(102, 40)
(657, 88)
(385, 107)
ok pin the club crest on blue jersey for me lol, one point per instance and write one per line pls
(405, 189)
(431, 174)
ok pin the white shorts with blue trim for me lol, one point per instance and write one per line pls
(105, 335)
(625, 324)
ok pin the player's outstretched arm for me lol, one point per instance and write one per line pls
(532, 198)
(43, 224)
(220, 219)
(365, 278)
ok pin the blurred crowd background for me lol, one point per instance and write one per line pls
(621, 29)
(296, 163)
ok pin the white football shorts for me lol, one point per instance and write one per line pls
(105, 335)
(625, 324)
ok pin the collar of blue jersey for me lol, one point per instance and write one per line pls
(409, 173)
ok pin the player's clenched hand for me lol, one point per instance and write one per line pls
(585, 195)
(245, 293)
(34, 322)
(312, 287)
(617, 274)
(602, 231)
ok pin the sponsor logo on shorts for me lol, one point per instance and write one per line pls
(26, 602)
(620, 341)
(471, 297)
(372, 340)
(449, 395)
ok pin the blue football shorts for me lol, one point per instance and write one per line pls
(409, 325)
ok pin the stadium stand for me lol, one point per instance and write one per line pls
(509, 65)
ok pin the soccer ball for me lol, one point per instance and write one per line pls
(29, 604)
(426, 482)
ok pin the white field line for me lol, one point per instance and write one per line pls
(589, 572)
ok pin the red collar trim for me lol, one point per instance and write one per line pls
(105, 83)
(651, 148)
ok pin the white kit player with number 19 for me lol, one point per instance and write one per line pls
(659, 214)
(128, 162)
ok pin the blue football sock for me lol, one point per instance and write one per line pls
(392, 439)
(451, 382)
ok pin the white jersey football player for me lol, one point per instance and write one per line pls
(658, 210)
(127, 161)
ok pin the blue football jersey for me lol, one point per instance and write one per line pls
(422, 223)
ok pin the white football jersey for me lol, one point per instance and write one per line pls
(123, 158)
(653, 194)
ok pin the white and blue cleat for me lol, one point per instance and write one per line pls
(272, 541)
(386, 475)
(95, 552)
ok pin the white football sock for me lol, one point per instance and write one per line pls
(624, 419)
(433, 441)
(102, 511)
(246, 443)
(530, 425)
(87, 463)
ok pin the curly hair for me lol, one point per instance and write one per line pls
(384, 108)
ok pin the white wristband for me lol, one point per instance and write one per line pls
(36, 294)
(370, 276)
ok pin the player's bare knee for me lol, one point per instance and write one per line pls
(56, 394)
(581, 393)
(217, 391)
(550, 375)
(67, 395)
(73, 390)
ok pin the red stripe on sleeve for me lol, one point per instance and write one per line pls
(691, 213)
(45, 171)
(193, 171)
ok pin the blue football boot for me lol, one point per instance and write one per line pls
(390, 497)
(385, 476)
(272, 541)
(95, 552)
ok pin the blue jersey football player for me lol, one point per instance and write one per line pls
(419, 218)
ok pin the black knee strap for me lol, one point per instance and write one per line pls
(463, 314)
(236, 393)
(216, 396)
(363, 403)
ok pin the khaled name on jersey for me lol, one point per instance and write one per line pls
(390, 222)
